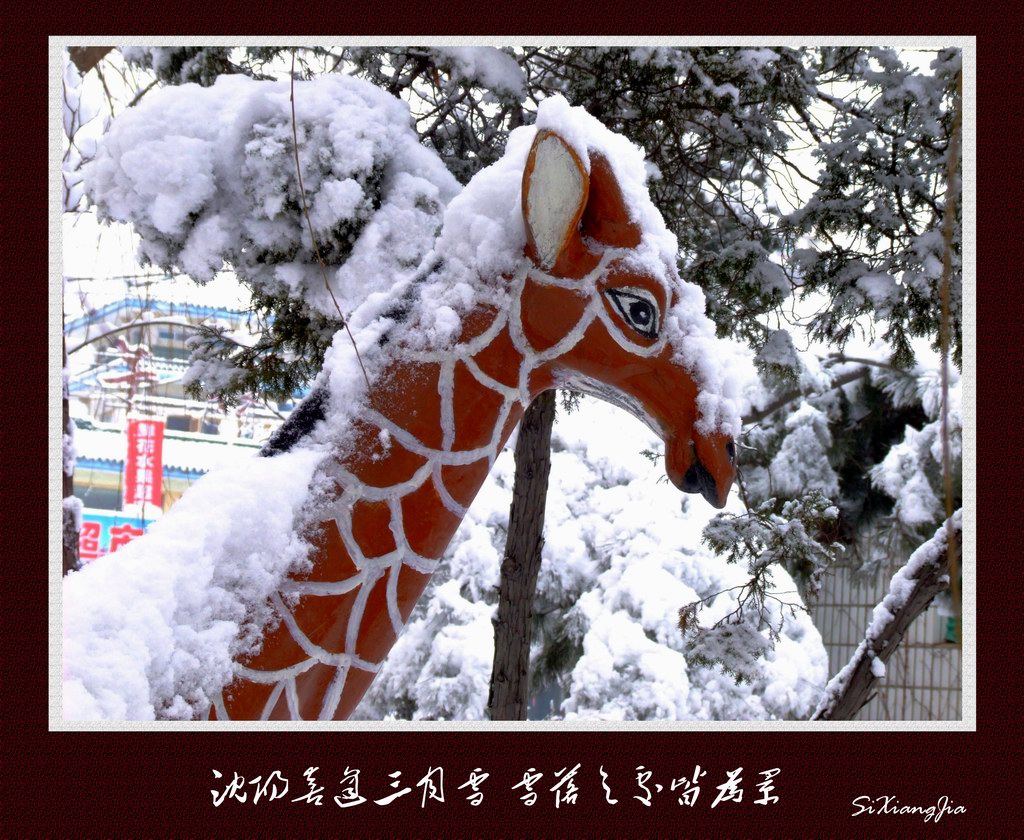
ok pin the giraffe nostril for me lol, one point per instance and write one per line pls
(699, 480)
(691, 481)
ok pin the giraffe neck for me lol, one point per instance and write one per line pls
(406, 473)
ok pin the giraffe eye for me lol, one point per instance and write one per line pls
(638, 308)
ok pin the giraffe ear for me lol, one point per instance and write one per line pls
(555, 188)
(606, 218)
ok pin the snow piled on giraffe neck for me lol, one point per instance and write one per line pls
(151, 630)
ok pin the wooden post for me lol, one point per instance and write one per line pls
(69, 531)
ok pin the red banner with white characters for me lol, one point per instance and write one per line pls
(143, 468)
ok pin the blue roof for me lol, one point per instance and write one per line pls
(163, 307)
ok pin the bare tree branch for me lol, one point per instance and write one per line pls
(948, 222)
(913, 588)
(163, 322)
(70, 559)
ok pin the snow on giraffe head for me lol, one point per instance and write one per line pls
(604, 304)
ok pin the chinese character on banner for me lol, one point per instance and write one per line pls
(89, 540)
(123, 534)
(143, 468)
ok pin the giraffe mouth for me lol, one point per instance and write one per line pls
(699, 480)
(687, 472)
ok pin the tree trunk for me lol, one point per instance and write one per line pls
(69, 528)
(85, 58)
(514, 620)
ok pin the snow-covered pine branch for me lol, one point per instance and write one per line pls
(207, 176)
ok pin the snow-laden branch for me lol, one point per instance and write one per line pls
(757, 415)
(912, 589)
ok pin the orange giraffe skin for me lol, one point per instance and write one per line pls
(411, 464)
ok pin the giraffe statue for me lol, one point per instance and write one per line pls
(583, 311)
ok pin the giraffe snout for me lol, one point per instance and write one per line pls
(692, 473)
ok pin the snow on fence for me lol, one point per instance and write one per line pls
(923, 677)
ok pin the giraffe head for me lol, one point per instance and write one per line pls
(604, 311)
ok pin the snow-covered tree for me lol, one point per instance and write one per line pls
(621, 556)
(80, 129)
(208, 177)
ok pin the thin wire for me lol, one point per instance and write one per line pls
(312, 236)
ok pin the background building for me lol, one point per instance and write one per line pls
(127, 356)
